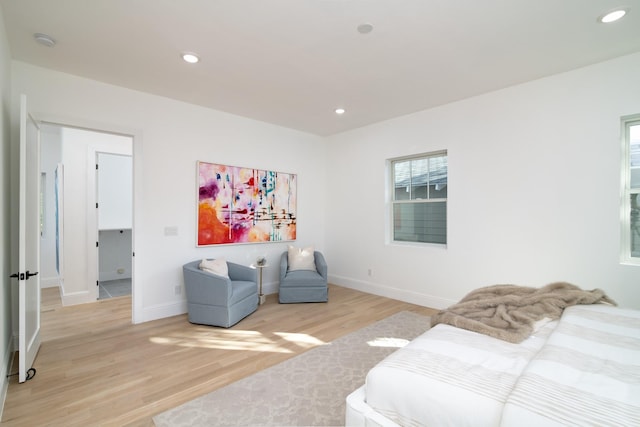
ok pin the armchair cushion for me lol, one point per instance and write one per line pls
(213, 299)
(215, 266)
(301, 258)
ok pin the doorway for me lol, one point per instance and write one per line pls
(71, 228)
(114, 189)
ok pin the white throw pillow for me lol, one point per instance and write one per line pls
(301, 258)
(215, 266)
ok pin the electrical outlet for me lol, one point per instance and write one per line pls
(177, 290)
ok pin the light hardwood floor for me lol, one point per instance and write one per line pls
(96, 368)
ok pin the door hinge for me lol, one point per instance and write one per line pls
(96, 166)
(96, 205)
(97, 244)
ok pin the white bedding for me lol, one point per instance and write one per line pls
(581, 370)
(588, 373)
(447, 376)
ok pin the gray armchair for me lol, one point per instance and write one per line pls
(303, 285)
(217, 300)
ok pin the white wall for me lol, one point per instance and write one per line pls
(533, 184)
(169, 137)
(534, 191)
(6, 338)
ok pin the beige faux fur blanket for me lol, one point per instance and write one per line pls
(510, 312)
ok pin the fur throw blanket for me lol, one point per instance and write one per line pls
(511, 313)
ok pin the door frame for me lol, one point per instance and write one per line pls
(136, 154)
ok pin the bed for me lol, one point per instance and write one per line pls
(583, 369)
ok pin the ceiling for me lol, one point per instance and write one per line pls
(293, 62)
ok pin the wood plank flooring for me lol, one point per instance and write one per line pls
(96, 368)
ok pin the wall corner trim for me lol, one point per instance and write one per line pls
(5, 369)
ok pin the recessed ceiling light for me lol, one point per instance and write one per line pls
(365, 28)
(613, 16)
(44, 40)
(340, 111)
(191, 58)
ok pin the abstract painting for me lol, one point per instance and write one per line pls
(244, 205)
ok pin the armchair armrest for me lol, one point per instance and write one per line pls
(321, 264)
(241, 272)
(284, 264)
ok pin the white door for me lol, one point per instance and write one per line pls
(29, 245)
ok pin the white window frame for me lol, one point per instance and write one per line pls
(627, 191)
(392, 202)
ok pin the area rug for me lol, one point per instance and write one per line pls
(307, 390)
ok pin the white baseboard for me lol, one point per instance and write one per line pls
(391, 292)
(49, 282)
(75, 298)
(177, 308)
(270, 288)
(105, 276)
(5, 369)
(376, 289)
(161, 311)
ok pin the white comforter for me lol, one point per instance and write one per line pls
(581, 370)
(449, 376)
(588, 373)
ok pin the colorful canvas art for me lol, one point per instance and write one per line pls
(243, 205)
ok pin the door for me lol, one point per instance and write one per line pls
(29, 245)
(114, 194)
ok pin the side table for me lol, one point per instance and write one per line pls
(260, 294)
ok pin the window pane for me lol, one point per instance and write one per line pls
(634, 155)
(419, 179)
(438, 177)
(401, 180)
(420, 222)
(635, 225)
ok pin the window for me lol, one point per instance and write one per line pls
(631, 190)
(419, 198)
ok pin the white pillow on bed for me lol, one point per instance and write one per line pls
(301, 258)
(215, 266)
